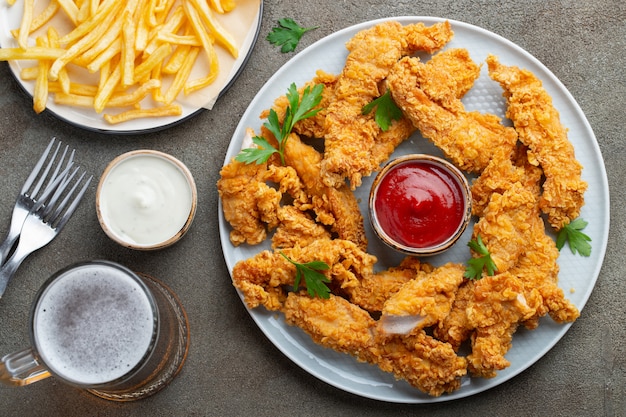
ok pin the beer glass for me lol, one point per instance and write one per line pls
(101, 327)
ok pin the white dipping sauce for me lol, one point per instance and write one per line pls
(145, 199)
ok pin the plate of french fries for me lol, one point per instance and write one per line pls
(127, 66)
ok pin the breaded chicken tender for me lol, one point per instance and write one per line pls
(351, 136)
(263, 278)
(469, 139)
(425, 363)
(377, 288)
(500, 303)
(336, 207)
(539, 127)
(505, 227)
(422, 302)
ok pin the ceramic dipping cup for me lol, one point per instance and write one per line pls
(420, 204)
(146, 200)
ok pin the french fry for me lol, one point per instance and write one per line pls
(109, 37)
(53, 41)
(27, 17)
(70, 9)
(106, 56)
(78, 89)
(83, 44)
(103, 95)
(33, 52)
(227, 5)
(169, 110)
(221, 35)
(143, 69)
(130, 99)
(181, 76)
(136, 47)
(41, 19)
(77, 100)
(40, 96)
(86, 27)
(128, 50)
(200, 83)
(216, 5)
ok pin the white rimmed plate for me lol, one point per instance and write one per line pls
(577, 274)
(245, 18)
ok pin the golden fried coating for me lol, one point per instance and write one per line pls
(538, 269)
(505, 169)
(413, 320)
(456, 328)
(539, 127)
(336, 207)
(296, 228)
(376, 289)
(422, 302)
(505, 227)
(240, 187)
(262, 278)
(350, 136)
(313, 127)
(469, 139)
(424, 362)
(334, 323)
(499, 305)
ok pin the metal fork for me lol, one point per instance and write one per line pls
(44, 222)
(30, 195)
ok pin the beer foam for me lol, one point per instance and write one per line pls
(93, 324)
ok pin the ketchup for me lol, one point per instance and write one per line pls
(419, 204)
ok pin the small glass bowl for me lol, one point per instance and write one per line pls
(454, 179)
(146, 200)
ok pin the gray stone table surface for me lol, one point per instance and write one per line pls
(232, 369)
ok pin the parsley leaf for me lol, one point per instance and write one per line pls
(260, 154)
(287, 34)
(386, 110)
(577, 240)
(314, 280)
(298, 109)
(476, 265)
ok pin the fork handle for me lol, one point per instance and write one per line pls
(8, 269)
(14, 232)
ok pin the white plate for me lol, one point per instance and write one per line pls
(578, 274)
(246, 18)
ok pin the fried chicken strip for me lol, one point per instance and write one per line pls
(499, 305)
(336, 207)
(505, 169)
(538, 269)
(424, 362)
(376, 289)
(245, 197)
(262, 278)
(469, 139)
(456, 328)
(539, 127)
(422, 302)
(350, 136)
(505, 227)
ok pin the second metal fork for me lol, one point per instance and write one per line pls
(32, 192)
(44, 222)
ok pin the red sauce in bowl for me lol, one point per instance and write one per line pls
(420, 204)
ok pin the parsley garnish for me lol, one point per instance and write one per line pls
(476, 265)
(314, 280)
(577, 240)
(386, 110)
(287, 34)
(298, 109)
